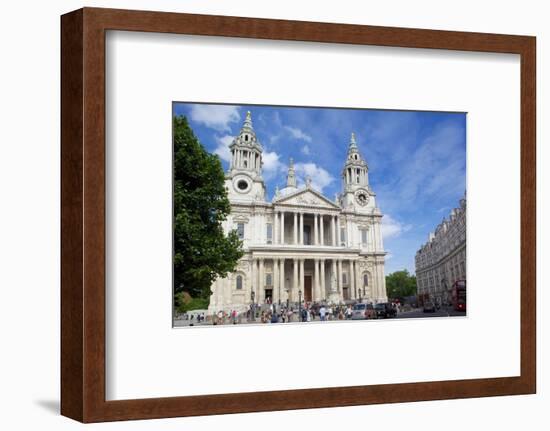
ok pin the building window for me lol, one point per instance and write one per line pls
(365, 279)
(240, 230)
(344, 278)
(246, 137)
(343, 236)
(269, 233)
(268, 280)
(239, 282)
(364, 236)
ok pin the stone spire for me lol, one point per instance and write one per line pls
(355, 172)
(352, 142)
(247, 125)
(291, 176)
(246, 149)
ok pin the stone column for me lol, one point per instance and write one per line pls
(275, 226)
(276, 295)
(352, 294)
(282, 227)
(317, 288)
(337, 224)
(294, 287)
(254, 279)
(359, 279)
(282, 292)
(340, 278)
(323, 285)
(302, 277)
(315, 229)
(322, 228)
(333, 229)
(295, 228)
(301, 228)
(261, 283)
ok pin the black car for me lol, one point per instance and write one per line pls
(384, 310)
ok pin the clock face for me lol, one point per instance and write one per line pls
(362, 197)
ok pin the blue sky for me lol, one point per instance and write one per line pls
(417, 160)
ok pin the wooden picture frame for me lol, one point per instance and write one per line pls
(83, 334)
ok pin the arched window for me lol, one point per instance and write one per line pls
(246, 137)
(365, 279)
(239, 282)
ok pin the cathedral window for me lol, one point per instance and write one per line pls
(364, 236)
(246, 137)
(268, 280)
(365, 279)
(344, 278)
(343, 236)
(239, 282)
(240, 230)
(242, 184)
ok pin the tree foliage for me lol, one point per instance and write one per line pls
(201, 250)
(400, 284)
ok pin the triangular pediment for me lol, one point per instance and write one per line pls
(307, 198)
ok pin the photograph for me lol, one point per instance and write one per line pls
(310, 215)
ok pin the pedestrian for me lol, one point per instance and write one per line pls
(322, 313)
(348, 312)
(274, 318)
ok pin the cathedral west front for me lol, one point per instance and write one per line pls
(301, 246)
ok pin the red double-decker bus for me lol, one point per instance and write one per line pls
(459, 295)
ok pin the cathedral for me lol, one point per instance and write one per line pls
(301, 246)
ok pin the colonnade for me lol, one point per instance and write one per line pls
(323, 272)
(297, 217)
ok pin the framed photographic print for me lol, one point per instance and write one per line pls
(266, 215)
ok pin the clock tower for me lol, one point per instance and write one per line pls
(244, 180)
(355, 178)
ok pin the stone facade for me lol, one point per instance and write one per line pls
(301, 245)
(441, 261)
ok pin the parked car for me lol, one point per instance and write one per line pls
(429, 307)
(362, 312)
(385, 310)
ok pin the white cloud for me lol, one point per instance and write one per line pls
(298, 134)
(305, 150)
(320, 178)
(271, 164)
(217, 117)
(392, 228)
(222, 149)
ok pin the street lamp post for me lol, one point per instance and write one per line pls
(300, 304)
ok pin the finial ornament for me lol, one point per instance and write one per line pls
(291, 175)
(308, 181)
(352, 142)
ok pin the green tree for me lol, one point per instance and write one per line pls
(201, 250)
(400, 284)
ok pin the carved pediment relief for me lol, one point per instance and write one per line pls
(308, 198)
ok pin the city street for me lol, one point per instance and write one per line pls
(413, 314)
(442, 312)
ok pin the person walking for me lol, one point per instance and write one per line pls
(322, 313)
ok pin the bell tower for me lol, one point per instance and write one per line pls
(355, 179)
(244, 179)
